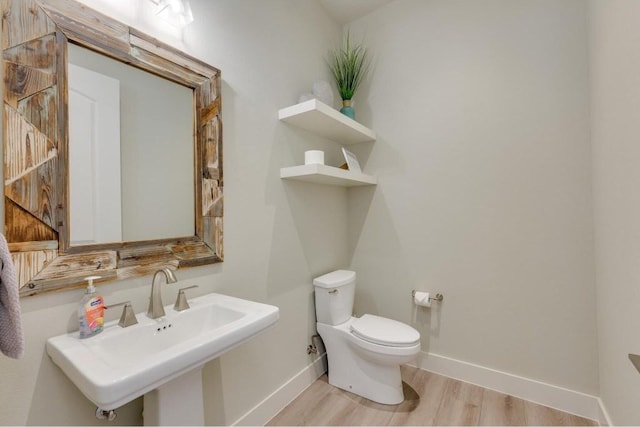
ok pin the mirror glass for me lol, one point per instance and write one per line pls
(131, 152)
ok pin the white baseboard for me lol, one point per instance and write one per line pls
(566, 400)
(276, 401)
(604, 418)
(563, 399)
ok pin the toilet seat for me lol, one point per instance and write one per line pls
(383, 331)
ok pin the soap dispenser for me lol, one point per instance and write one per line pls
(91, 310)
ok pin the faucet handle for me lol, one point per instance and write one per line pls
(181, 302)
(128, 317)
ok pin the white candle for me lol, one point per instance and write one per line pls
(314, 157)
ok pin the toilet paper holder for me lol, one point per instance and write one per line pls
(437, 298)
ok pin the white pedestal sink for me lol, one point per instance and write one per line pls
(160, 358)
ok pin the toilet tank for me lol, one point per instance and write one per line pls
(334, 296)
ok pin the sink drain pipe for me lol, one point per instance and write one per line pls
(102, 414)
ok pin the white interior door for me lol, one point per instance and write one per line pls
(94, 157)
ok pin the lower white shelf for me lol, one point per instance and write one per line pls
(328, 175)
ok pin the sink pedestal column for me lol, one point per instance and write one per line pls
(176, 403)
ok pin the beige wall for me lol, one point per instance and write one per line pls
(615, 116)
(278, 235)
(484, 167)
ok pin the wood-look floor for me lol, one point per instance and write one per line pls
(430, 399)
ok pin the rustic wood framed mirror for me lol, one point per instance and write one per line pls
(35, 40)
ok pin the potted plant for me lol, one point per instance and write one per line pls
(349, 66)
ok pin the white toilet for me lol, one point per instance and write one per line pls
(364, 353)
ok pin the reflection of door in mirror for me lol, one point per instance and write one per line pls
(94, 157)
(152, 168)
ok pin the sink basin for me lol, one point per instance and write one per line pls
(121, 364)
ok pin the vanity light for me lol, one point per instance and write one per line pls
(176, 12)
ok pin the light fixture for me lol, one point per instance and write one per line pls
(176, 12)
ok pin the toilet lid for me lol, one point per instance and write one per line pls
(383, 331)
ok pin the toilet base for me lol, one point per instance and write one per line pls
(376, 383)
(371, 375)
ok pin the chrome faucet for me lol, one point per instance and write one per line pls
(156, 308)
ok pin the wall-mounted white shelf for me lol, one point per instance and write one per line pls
(329, 175)
(319, 118)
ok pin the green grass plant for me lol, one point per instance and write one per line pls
(349, 65)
